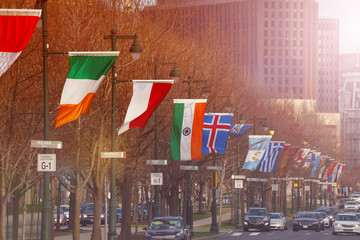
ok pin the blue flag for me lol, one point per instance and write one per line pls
(236, 130)
(215, 132)
(257, 147)
(270, 157)
(316, 164)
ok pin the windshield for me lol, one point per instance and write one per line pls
(275, 216)
(350, 218)
(257, 212)
(165, 224)
(350, 203)
(306, 215)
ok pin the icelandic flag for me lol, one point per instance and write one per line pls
(270, 157)
(236, 130)
(216, 130)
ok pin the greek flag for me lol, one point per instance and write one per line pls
(270, 157)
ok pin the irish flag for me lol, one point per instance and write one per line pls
(16, 29)
(87, 71)
(147, 95)
(187, 129)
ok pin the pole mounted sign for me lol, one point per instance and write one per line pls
(46, 144)
(156, 179)
(46, 163)
(214, 168)
(239, 183)
(113, 155)
(189, 168)
(156, 162)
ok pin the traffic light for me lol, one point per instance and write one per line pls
(216, 180)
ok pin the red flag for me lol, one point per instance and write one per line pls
(331, 168)
(17, 27)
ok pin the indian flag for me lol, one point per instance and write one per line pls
(17, 27)
(87, 71)
(187, 129)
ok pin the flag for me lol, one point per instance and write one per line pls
(285, 158)
(323, 166)
(87, 71)
(257, 147)
(300, 157)
(316, 165)
(270, 157)
(147, 95)
(341, 169)
(215, 132)
(17, 27)
(330, 170)
(187, 129)
(310, 158)
(337, 171)
(236, 130)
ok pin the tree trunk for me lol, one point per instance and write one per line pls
(24, 218)
(98, 197)
(71, 211)
(174, 201)
(125, 233)
(16, 208)
(76, 219)
(201, 197)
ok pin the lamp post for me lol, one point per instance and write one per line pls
(266, 128)
(214, 226)
(174, 74)
(238, 202)
(135, 51)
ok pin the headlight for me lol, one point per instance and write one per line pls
(356, 225)
(85, 215)
(338, 225)
(102, 215)
(179, 234)
(265, 219)
(147, 234)
(266, 223)
(245, 223)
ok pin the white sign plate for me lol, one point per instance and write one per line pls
(156, 179)
(46, 163)
(238, 177)
(113, 155)
(275, 187)
(156, 162)
(189, 168)
(46, 144)
(214, 168)
(307, 188)
(239, 183)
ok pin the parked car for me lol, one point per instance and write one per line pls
(329, 211)
(306, 221)
(351, 206)
(66, 210)
(342, 202)
(321, 220)
(167, 228)
(277, 221)
(346, 223)
(63, 219)
(257, 218)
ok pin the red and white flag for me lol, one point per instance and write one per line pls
(147, 95)
(16, 29)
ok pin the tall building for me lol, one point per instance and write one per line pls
(276, 40)
(328, 79)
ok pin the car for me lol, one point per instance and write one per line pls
(326, 219)
(346, 223)
(321, 220)
(66, 210)
(257, 218)
(306, 221)
(63, 220)
(355, 198)
(329, 211)
(277, 221)
(342, 202)
(167, 228)
(351, 206)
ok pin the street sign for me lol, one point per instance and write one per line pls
(156, 179)
(113, 155)
(46, 163)
(156, 162)
(46, 144)
(238, 177)
(189, 168)
(253, 179)
(275, 187)
(214, 168)
(239, 183)
(307, 188)
(263, 180)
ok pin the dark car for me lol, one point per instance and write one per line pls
(118, 214)
(342, 202)
(329, 211)
(257, 218)
(306, 221)
(167, 228)
(88, 213)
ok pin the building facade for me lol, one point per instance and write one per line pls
(328, 79)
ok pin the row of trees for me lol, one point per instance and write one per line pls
(81, 26)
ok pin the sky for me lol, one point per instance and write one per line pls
(348, 13)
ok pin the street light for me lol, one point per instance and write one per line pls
(135, 51)
(174, 74)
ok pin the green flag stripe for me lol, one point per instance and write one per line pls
(176, 130)
(89, 67)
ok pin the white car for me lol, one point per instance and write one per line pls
(351, 206)
(277, 221)
(326, 219)
(346, 223)
(355, 198)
